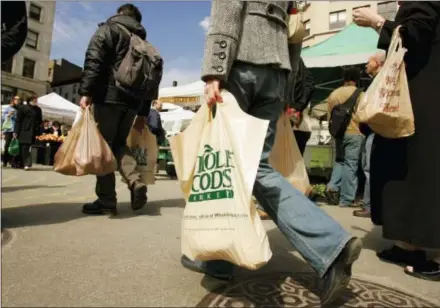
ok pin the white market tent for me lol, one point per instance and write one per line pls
(186, 95)
(56, 107)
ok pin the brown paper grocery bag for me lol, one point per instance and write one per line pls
(386, 106)
(286, 157)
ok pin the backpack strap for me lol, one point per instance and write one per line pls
(352, 100)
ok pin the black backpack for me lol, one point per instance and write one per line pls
(341, 115)
(140, 71)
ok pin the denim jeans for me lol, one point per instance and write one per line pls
(344, 175)
(259, 91)
(366, 156)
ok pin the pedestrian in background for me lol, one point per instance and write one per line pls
(342, 187)
(9, 117)
(27, 128)
(372, 68)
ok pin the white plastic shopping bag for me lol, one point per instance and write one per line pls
(386, 106)
(144, 146)
(217, 163)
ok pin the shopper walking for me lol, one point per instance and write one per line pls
(247, 53)
(405, 173)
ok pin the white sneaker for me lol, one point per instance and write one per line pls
(26, 168)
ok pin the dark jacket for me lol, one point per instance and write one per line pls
(304, 87)
(105, 52)
(155, 124)
(405, 172)
(27, 125)
(14, 27)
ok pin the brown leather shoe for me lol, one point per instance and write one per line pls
(263, 214)
(362, 213)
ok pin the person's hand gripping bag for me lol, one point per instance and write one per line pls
(216, 162)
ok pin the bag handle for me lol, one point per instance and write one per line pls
(396, 41)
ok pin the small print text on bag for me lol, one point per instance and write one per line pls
(386, 106)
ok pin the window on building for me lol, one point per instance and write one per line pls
(74, 88)
(74, 99)
(7, 94)
(60, 90)
(7, 65)
(32, 39)
(28, 68)
(387, 9)
(66, 96)
(337, 20)
(35, 12)
(307, 27)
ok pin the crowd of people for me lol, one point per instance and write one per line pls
(22, 120)
(247, 52)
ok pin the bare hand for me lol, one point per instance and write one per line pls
(212, 92)
(85, 102)
(139, 123)
(366, 17)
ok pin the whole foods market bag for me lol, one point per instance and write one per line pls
(217, 163)
(144, 146)
(286, 157)
(386, 106)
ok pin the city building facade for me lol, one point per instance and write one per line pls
(68, 90)
(64, 78)
(26, 73)
(322, 19)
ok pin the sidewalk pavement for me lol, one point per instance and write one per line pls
(57, 256)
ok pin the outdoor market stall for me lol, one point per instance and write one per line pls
(190, 96)
(326, 60)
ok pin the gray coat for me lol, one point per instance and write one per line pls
(248, 31)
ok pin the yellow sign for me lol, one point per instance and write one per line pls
(180, 99)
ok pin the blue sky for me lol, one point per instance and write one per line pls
(176, 28)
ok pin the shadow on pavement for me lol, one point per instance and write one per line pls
(373, 239)
(18, 188)
(151, 209)
(267, 287)
(40, 214)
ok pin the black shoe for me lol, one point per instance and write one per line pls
(197, 266)
(138, 196)
(402, 257)
(428, 270)
(332, 197)
(336, 280)
(98, 208)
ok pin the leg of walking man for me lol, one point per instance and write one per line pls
(114, 123)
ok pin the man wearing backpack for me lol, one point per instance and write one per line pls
(121, 87)
(342, 102)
